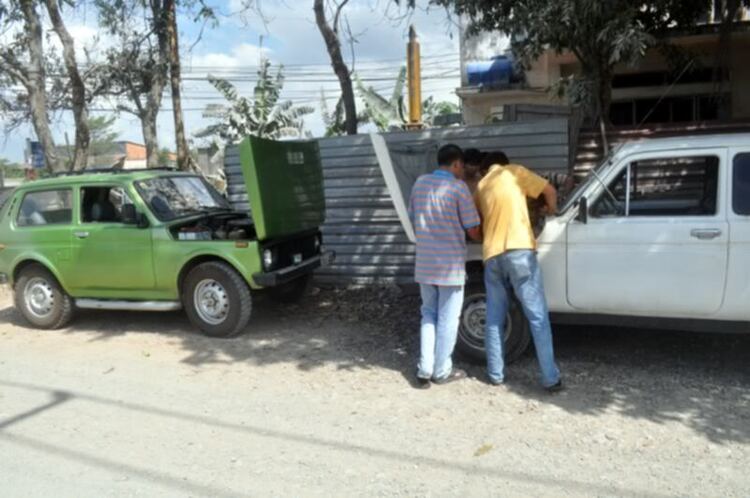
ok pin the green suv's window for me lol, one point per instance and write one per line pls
(103, 204)
(172, 197)
(48, 207)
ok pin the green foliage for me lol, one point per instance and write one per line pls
(9, 169)
(164, 158)
(432, 109)
(103, 137)
(263, 116)
(384, 113)
(389, 114)
(335, 120)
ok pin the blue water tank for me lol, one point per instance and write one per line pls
(494, 73)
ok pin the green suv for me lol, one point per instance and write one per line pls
(163, 240)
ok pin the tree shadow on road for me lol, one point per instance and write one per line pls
(699, 380)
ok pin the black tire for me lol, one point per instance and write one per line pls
(227, 304)
(41, 299)
(471, 327)
(290, 292)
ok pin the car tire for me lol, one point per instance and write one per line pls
(41, 299)
(217, 299)
(290, 292)
(471, 327)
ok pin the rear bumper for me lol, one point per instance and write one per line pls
(284, 275)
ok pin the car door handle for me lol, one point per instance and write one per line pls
(705, 233)
(81, 235)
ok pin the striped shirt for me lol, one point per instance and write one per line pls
(441, 210)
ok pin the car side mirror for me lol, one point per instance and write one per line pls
(131, 216)
(583, 210)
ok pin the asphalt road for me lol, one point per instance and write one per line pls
(316, 400)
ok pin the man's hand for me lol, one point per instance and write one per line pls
(475, 233)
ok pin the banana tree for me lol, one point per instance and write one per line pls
(264, 115)
(390, 114)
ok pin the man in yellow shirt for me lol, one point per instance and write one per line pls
(510, 263)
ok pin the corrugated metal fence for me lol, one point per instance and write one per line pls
(361, 222)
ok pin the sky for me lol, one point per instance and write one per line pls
(286, 34)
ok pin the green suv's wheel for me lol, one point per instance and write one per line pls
(217, 299)
(41, 300)
(290, 292)
(473, 320)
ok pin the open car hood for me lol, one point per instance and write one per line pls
(281, 183)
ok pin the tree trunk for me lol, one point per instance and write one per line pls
(148, 125)
(78, 90)
(35, 86)
(183, 156)
(333, 45)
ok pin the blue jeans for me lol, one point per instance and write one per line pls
(517, 271)
(441, 310)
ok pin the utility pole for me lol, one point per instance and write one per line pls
(415, 81)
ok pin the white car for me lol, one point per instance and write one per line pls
(657, 236)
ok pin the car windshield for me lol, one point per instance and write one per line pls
(581, 187)
(172, 197)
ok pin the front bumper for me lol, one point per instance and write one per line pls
(284, 275)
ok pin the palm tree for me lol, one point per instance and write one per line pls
(262, 116)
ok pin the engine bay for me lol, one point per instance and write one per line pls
(223, 226)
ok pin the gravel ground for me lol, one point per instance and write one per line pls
(316, 399)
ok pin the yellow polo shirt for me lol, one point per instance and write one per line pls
(501, 199)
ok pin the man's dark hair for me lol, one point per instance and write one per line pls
(449, 153)
(492, 158)
(473, 156)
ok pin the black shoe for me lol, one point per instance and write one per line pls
(555, 388)
(456, 374)
(422, 383)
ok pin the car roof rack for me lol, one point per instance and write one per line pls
(111, 171)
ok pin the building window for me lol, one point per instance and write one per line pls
(741, 184)
(50, 207)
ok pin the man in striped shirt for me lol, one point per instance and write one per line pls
(442, 212)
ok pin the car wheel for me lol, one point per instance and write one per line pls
(473, 319)
(290, 292)
(217, 299)
(41, 300)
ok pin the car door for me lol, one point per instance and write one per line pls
(41, 229)
(656, 240)
(738, 280)
(114, 258)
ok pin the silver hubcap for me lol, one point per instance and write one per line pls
(39, 298)
(211, 301)
(474, 320)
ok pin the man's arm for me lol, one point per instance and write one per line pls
(550, 199)
(469, 214)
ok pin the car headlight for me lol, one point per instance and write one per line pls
(268, 259)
